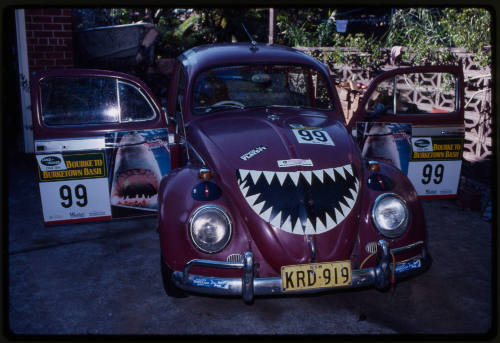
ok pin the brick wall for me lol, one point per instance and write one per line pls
(49, 35)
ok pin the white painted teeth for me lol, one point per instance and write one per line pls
(343, 171)
(255, 174)
(291, 223)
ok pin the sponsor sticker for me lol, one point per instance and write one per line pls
(210, 283)
(422, 144)
(401, 268)
(71, 166)
(295, 162)
(51, 162)
(253, 152)
(439, 149)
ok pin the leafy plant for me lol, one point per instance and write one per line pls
(428, 32)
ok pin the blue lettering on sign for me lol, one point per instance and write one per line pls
(408, 266)
(210, 283)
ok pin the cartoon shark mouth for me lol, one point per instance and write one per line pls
(301, 202)
(135, 187)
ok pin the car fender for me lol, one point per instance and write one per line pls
(367, 233)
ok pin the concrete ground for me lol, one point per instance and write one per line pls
(104, 278)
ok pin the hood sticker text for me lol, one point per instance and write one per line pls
(253, 152)
(295, 162)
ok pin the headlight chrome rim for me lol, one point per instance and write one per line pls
(225, 216)
(402, 228)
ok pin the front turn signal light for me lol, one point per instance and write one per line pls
(205, 174)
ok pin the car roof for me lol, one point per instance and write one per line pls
(208, 56)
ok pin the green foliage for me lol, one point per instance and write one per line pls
(305, 26)
(425, 32)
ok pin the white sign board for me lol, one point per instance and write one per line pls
(75, 200)
(74, 187)
(435, 177)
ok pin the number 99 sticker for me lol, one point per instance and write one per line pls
(75, 200)
(313, 136)
(435, 178)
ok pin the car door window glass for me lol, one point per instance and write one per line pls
(421, 93)
(78, 100)
(381, 100)
(134, 106)
(415, 93)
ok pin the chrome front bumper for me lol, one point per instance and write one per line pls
(248, 286)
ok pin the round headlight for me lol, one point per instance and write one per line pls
(390, 215)
(210, 228)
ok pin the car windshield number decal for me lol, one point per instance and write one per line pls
(315, 136)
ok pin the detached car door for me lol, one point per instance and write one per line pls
(102, 145)
(414, 118)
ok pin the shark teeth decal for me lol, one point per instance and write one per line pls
(301, 202)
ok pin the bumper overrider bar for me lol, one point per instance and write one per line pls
(248, 286)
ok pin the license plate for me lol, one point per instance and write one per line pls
(316, 275)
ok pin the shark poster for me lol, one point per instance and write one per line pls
(138, 160)
(389, 142)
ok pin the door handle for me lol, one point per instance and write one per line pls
(446, 132)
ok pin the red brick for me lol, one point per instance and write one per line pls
(68, 27)
(46, 62)
(61, 48)
(58, 55)
(45, 48)
(43, 41)
(62, 19)
(34, 26)
(52, 11)
(68, 54)
(30, 34)
(42, 34)
(37, 55)
(33, 11)
(52, 27)
(32, 41)
(64, 62)
(42, 19)
(63, 34)
(67, 11)
(53, 41)
(31, 48)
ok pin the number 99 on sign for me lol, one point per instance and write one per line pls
(80, 195)
(75, 199)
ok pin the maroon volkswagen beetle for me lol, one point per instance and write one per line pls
(273, 196)
(259, 186)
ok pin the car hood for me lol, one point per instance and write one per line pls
(293, 176)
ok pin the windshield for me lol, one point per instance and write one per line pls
(262, 85)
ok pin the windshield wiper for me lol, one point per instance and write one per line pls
(298, 106)
(289, 106)
(215, 107)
